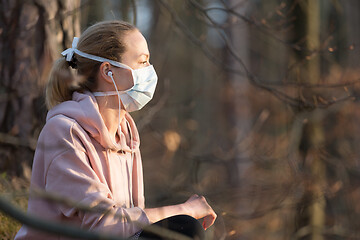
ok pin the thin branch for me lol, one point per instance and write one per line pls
(182, 26)
(38, 223)
(149, 115)
(48, 226)
(16, 141)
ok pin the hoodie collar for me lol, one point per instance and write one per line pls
(84, 109)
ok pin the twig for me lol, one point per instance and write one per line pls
(37, 223)
(48, 226)
(16, 141)
(156, 108)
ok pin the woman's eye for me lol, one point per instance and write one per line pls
(144, 62)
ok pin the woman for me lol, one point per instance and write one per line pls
(88, 150)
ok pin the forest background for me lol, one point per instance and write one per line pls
(256, 107)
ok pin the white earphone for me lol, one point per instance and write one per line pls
(109, 73)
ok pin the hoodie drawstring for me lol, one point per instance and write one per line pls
(131, 165)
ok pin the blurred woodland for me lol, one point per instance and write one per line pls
(256, 107)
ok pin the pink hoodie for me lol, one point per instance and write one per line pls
(77, 159)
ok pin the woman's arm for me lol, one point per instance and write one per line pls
(195, 206)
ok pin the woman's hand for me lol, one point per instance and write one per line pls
(198, 208)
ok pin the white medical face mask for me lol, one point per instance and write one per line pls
(134, 98)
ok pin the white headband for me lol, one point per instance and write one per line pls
(69, 53)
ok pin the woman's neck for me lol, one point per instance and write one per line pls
(109, 111)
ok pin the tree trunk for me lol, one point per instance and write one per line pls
(316, 139)
(313, 134)
(32, 35)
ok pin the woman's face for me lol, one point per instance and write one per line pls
(136, 56)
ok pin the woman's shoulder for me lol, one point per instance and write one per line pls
(59, 125)
(63, 118)
(62, 132)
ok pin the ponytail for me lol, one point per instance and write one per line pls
(61, 83)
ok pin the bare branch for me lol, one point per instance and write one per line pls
(15, 141)
(50, 227)
(65, 230)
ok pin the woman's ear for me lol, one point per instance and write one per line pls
(104, 70)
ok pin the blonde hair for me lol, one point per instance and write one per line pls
(104, 39)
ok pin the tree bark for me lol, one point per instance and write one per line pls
(313, 133)
(32, 34)
(316, 139)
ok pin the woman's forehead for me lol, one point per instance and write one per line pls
(136, 43)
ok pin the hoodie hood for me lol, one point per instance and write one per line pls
(84, 109)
